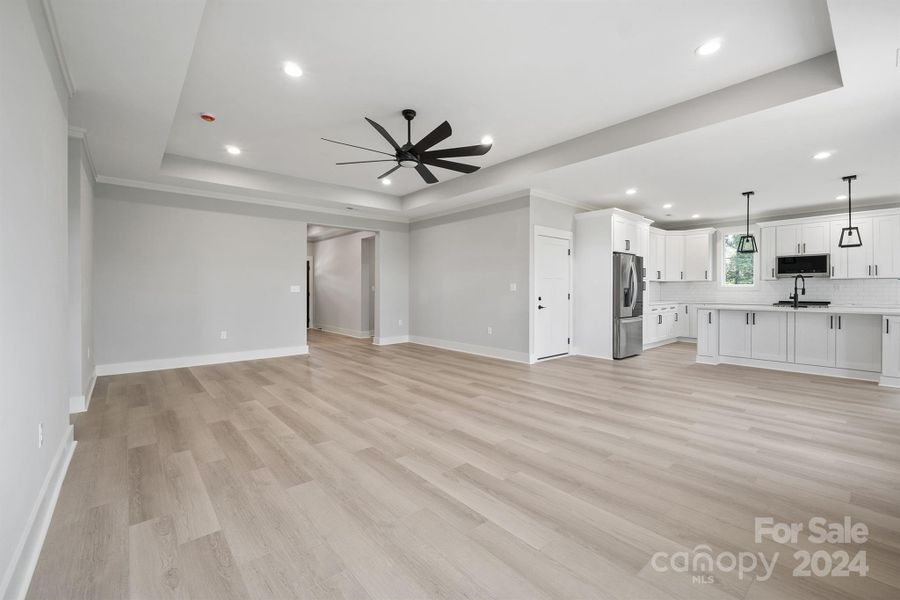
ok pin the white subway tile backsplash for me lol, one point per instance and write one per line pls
(867, 292)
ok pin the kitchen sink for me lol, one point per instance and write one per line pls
(803, 304)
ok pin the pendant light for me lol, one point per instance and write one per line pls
(747, 243)
(849, 234)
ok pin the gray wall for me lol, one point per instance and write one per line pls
(339, 268)
(168, 280)
(81, 264)
(461, 268)
(33, 272)
(367, 284)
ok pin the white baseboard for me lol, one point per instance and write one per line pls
(488, 351)
(888, 381)
(181, 362)
(387, 341)
(790, 367)
(18, 575)
(343, 331)
(79, 404)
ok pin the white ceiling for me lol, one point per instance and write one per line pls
(531, 74)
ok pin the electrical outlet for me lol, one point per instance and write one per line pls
(512, 287)
(490, 331)
(40, 435)
(295, 289)
(223, 335)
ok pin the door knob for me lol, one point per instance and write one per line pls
(540, 307)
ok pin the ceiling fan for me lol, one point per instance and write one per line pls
(417, 156)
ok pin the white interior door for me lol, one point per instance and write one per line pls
(551, 320)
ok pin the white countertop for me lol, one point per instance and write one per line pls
(833, 309)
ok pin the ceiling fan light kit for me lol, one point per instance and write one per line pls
(418, 156)
(747, 242)
(849, 234)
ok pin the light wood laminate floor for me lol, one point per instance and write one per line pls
(405, 472)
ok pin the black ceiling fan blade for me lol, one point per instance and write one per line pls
(383, 133)
(427, 175)
(385, 174)
(437, 135)
(449, 164)
(359, 162)
(479, 150)
(355, 146)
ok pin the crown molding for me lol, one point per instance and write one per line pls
(50, 16)
(551, 197)
(175, 189)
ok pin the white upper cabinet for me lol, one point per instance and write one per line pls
(697, 254)
(656, 268)
(626, 235)
(674, 257)
(767, 252)
(879, 255)
(802, 238)
(860, 259)
(788, 243)
(886, 246)
(814, 238)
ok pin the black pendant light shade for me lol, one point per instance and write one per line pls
(747, 243)
(849, 234)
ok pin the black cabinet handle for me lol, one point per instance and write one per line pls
(831, 322)
(682, 274)
(887, 325)
(628, 244)
(541, 307)
(709, 317)
(839, 321)
(876, 270)
(676, 317)
(754, 318)
(705, 274)
(659, 274)
(804, 247)
(832, 271)
(773, 271)
(746, 318)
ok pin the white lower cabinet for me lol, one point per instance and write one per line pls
(814, 339)
(707, 333)
(841, 341)
(890, 347)
(734, 333)
(858, 342)
(768, 336)
(759, 335)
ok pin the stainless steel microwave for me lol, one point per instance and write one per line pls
(808, 265)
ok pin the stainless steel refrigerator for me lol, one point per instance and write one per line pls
(628, 305)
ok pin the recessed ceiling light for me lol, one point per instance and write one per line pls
(695, 216)
(821, 155)
(292, 69)
(385, 181)
(233, 150)
(631, 191)
(487, 140)
(841, 197)
(667, 206)
(710, 47)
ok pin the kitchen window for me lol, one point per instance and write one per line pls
(738, 271)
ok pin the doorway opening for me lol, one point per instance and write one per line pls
(340, 284)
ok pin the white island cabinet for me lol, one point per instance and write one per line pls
(890, 351)
(853, 342)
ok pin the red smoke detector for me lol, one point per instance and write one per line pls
(207, 117)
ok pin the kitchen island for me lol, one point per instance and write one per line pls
(859, 342)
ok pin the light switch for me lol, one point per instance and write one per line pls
(223, 335)
(512, 287)
(295, 289)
